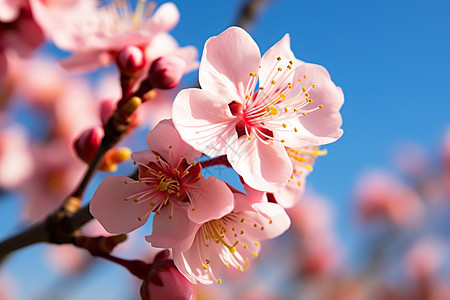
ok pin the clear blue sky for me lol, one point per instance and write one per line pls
(392, 59)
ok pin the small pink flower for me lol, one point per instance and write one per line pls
(296, 105)
(170, 185)
(233, 240)
(303, 161)
(97, 35)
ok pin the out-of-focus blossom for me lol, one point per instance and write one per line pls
(303, 161)
(164, 281)
(170, 184)
(227, 116)
(446, 158)
(424, 258)
(232, 241)
(8, 287)
(57, 172)
(19, 31)
(96, 37)
(16, 163)
(381, 195)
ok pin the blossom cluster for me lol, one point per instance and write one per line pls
(205, 222)
(265, 117)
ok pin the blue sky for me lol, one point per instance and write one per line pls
(391, 58)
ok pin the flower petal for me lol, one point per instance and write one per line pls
(110, 208)
(204, 121)
(323, 125)
(282, 50)
(166, 140)
(170, 232)
(264, 167)
(227, 62)
(211, 199)
(164, 18)
(271, 219)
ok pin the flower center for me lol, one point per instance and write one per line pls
(282, 97)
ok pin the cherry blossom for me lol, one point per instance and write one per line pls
(232, 240)
(303, 161)
(251, 108)
(96, 36)
(170, 185)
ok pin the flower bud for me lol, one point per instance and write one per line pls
(113, 157)
(166, 72)
(87, 143)
(130, 60)
(164, 281)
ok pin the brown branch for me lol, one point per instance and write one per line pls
(249, 12)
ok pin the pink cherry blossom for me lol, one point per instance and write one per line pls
(170, 185)
(296, 105)
(232, 241)
(303, 161)
(96, 35)
(16, 163)
(382, 195)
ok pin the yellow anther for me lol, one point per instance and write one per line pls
(205, 267)
(207, 261)
(125, 199)
(139, 219)
(273, 111)
(292, 176)
(313, 86)
(253, 74)
(290, 85)
(262, 227)
(299, 80)
(255, 225)
(304, 76)
(320, 106)
(261, 88)
(283, 96)
(278, 58)
(135, 200)
(170, 217)
(280, 69)
(256, 243)
(152, 203)
(299, 183)
(286, 109)
(242, 220)
(162, 186)
(303, 89)
(255, 254)
(125, 182)
(291, 62)
(134, 162)
(309, 100)
(289, 67)
(247, 97)
(158, 212)
(304, 114)
(295, 129)
(227, 266)
(219, 281)
(306, 95)
(178, 194)
(273, 82)
(284, 125)
(270, 221)
(245, 246)
(283, 141)
(249, 138)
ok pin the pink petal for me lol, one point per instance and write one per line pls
(170, 232)
(164, 18)
(166, 140)
(263, 167)
(227, 62)
(9, 10)
(3, 66)
(321, 126)
(82, 61)
(281, 49)
(204, 121)
(109, 207)
(211, 199)
(144, 157)
(269, 215)
(288, 196)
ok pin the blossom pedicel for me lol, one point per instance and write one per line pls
(251, 108)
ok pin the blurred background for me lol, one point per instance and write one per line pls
(374, 222)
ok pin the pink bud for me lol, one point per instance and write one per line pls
(164, 281)
(130, 60)
(87, 143)
(166, 72)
